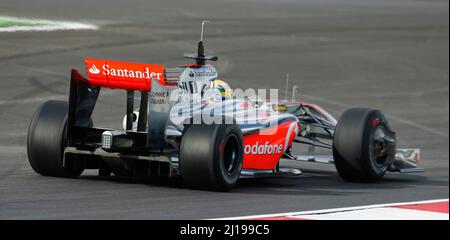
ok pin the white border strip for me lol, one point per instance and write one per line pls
(331, 210)
(45, 25)
(384, 213)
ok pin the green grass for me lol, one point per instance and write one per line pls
(18, 23)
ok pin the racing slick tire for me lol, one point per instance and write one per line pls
(211, 156)
(46, 141)
(363, 146)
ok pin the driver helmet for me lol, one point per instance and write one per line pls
(222, 88)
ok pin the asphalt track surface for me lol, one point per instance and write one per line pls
(387, 54)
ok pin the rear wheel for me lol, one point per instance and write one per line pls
(211, 156)
(47, 139)
(364, 145)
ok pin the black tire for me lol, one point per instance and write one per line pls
(46, 141)
(211, 156)
(363, 146)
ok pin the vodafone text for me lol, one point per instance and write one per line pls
(263, 149)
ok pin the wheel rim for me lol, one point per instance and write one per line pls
(231, 154)
(379, 147)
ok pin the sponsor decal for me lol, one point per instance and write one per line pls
(159, 97)
(94, 69)
(118, 72)
(263, 149)
(123, 75)
(202, 73)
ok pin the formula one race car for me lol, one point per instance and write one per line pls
(191, 125)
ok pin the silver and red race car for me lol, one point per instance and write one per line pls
(191, 125)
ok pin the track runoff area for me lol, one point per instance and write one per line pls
(420, 210)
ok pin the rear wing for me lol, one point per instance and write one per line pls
(130, 77)
(127, 75)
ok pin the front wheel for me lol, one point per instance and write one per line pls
(47, 139)
(364, 145)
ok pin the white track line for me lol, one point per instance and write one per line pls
(332, 210)
(45, 25)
